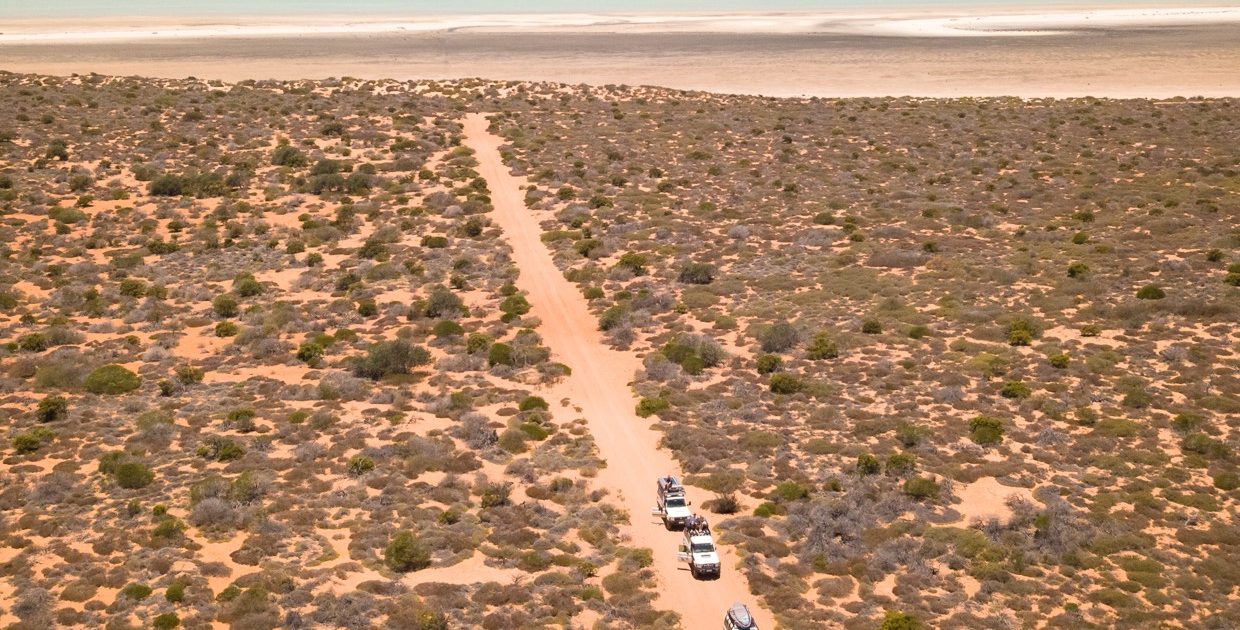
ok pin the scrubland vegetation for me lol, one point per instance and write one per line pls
(265, 364)
(913, 309)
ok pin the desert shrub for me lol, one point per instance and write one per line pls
(1151, 292)
(530, 403)
(613, 317)
(225, 305)
(1091, 330)
(52, 408)
(477, 342)
(901, 464)
(136, 591)
(33, 342)
(220, 449)
(175, 591)
(246, 285)
(389, 357)
(867, 464)
(694, 353)
(895, 620)
(500, 354)
(360, 465)
(514, 306)
(769, 364)
(310, 353)
(821, 347)
(1077, 270)
(1015, 389)
(287, 155)
(167, 185)
(1185, 422)
(367, 308)
(1227, 481)
(166, 621)
(788, 491)
(986, 430)
(495, 495)
(1203, 444)
(784, 383)
(132, 287)
(1059, 360)
(442, 302)
(133, 475)
(779, 337)
(697, 273)
(724, 504)
(226, 329)
(448, 328)
(921, 487)
(871, 327)
(32, 440)
(1021, 332)
(647, 407)
(111, 379)
(431, 241)
(634, 262)
(188, 375)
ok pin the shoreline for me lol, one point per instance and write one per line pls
(933, 23)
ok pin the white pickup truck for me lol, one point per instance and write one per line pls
(698, 550)
(672, 506)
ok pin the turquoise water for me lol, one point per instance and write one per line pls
(173, 8)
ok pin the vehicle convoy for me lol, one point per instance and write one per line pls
(738, 618)
(698, 549)
(672, 505)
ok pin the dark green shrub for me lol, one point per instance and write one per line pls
(986, 430)
(225, 305)
(52, 408)
(921, 487)
(530, 403)
(871, 327)
(867, 464)
(1151, 292)
(360, 465)
(442, 302)
(895, 620)
(132, 287)
(650, 406)
(220, 449)
(1015, 389)
(697, 273)
(779, 337)
(286, 155)
(477, 342)
(514, 306)
(406, 553)
(434, 242)
(367, 308)
(769, 364)
(167, 185)
(176, 591)
(246, 285)
(789, 491)
(448, 328)
(1077, 270)
(226, 329)
(1080, 238)
(111, 379)
(1227, 481)
(1021, 332)
(133, 475)
(918, 332)
(822, 346)
(495, 495)
(1214, 255)
(1203, 444)
(613, 317)
(784, 383)
(1060, 360)
(167, 621)
(33, 342)
(136, 591)
(724, 504)
(500, 354)
(1186, 422)
(900, 464)
(310, 353)
(32, 440)
(389, 357)
(636, 263)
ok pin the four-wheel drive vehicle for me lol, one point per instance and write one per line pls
(698, 549)
(672, 505)
(738, 618)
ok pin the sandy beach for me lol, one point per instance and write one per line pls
(1116, 53)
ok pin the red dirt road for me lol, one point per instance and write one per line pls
(600, 387)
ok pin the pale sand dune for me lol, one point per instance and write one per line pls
(599, 386)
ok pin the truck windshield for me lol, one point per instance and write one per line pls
(703, 548)
(676, 502)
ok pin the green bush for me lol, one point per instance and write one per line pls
(895, 620)
(918, 332)
(697, 273)
(367, 308)
(112, 379)
(500, 354)
(32, 440)
(867, 464)
(784, 383)
(986, 430)
(448, 328)
(360, 465)
(769, 364)
(1091, 330)
(225, 305)
(650, 406)
(136, 591)
(1016, 390)
(226, 329)
(789, 491)
(246, 285)
(52, 408)
(1060, 360)
(1227, 481)
(779, 337)
(900, 464)
(477, 342)
(514, 306)
(388, 358)
(921, 487)
(176, 591)
(286, 155)
(1186, 422)
(167, 621)
(634, 262)
(1021, 332)
(822, 346)
(310, 353)
(1077, 270)
(530, 403)
(220, 449)
(871, 327)
(1151, 292)
(442, 302)
(1203, 444)
(133, 475)
(132, 287)
(434, 242)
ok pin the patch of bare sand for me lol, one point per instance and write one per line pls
(600, 386)
(985, 499)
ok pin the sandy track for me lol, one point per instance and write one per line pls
(600, 387)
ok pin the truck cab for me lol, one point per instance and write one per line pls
(698, 550)
(672, 505)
